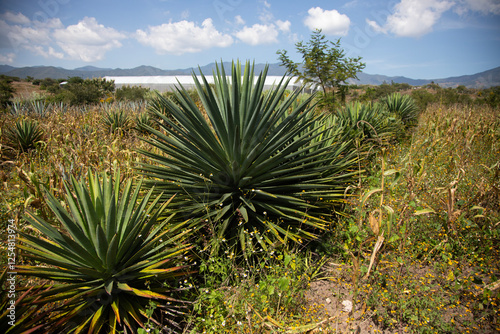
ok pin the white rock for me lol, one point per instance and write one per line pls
(347, 305)
(328, 300)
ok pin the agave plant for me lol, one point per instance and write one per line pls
(111, 260)
(245, 162)
(40, 108)
(24, 316)
(19, 108)
(403, 106)
(116, 120)
(367, 122)
(143, 120)
(25, 134)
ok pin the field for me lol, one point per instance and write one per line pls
(410, 247)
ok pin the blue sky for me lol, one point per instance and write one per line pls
(420, 39)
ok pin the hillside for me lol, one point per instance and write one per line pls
(484, 79)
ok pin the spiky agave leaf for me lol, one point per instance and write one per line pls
(403, 106)
(250, 164)
(24, 316)
(368, 122)
(116, 120)
(25, 134)
(110, 259)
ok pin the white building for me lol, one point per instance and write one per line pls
(167, 83)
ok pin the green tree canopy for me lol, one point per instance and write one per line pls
(324, 65)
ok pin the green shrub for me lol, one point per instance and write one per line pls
(423, 98)
(6, 93)
(111, 260)
(131, 93)
(248, 171)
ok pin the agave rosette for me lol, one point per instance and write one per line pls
(256, 166)
(111, 259)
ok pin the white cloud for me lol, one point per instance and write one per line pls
(182, 37)
(266, 15)
(47, 53)
(185, 14)
(283, 25)
(413, 18)
(238, 20)
(27, 35)
(258, 34)
(331, 22)
(483, 6)
(88, 40)
(7, 58)
(15, 18)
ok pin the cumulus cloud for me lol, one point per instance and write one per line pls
(15, 18)
(258, 34)
(283, 25)
(7, 58)
(331, 22)
(47, 52)
(267, 31)
(88, 40)
(26, 34)
(183, 37)
(413, 18)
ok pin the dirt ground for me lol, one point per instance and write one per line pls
(25, 89)
(332, 296)
(332, 293)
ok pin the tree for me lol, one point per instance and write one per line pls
(86, 91)
(6, 92)
(324, 66)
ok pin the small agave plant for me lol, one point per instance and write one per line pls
(25, 135)
(367, 122)
(116, 121)
(111, 260)
(251, 167)
(403, 106)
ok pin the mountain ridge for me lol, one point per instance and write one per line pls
(483, 79)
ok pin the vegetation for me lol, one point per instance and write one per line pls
(25, 134)
(325, 66)
(6, 91)
(116, 121)
(249, 174)
(113, 257)
(127, 93)
(405, 242)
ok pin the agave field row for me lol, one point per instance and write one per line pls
(224, 209)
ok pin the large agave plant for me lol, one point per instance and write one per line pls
(25, 134)
(111, 260)
(251, 165)
(403, 106)
(24, 316)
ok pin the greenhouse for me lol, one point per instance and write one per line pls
(167, 83)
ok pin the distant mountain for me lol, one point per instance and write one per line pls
(484, 79)
(480, 80)
(91, 68)
(5, 68)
